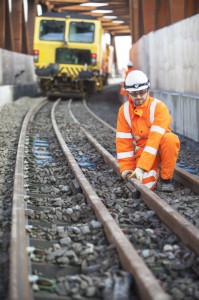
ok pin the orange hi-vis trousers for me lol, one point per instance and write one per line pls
(165, 160)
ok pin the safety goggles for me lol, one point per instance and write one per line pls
(141, 93)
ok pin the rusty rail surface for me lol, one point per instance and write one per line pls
(19, 287)
(187, 179)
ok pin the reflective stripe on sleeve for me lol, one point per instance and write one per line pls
(157, 129)
(152, 109)
(126, 135)
(126, 113)
(150, 150)
(125, 154)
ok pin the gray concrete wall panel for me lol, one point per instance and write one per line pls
(184, 109)
(17, 76)
(170, 58)
(6, 94)
(1, 73)
(17, 68)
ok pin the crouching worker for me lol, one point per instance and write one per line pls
(144, 142)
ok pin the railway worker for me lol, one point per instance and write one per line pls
(130, 68)
(144, 142)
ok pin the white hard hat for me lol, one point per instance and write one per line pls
(129, 64)
(136, 81)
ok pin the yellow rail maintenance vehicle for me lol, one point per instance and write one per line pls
(69, 54)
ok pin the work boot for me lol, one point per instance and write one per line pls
(165, 185)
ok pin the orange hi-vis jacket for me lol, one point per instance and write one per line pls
(144, 138)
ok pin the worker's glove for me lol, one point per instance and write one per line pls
(138, 173)
(126, 173)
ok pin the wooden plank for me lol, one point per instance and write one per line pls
(78, 8)
(191, 8)
(32, 11)
(25, 37)
(162, 15)
(9, 44)
(68, 1)
(135, 20)
(177, 8)
(148, 13)
(2, 23)
(16, 14)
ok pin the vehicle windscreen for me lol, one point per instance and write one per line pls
(52, 30)
(81, 32)
(73, 56)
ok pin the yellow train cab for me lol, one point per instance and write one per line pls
(69, 53)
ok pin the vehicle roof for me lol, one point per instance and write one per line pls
(67, 15)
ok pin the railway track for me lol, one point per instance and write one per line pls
(59, 242)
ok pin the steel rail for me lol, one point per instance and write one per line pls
(180, 175)
(187, 232)
(19, 287)
(187, 179)
(148, 286)
(96, 117)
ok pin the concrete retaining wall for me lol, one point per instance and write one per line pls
(184, 109)
(170, 58)
(17, 77)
